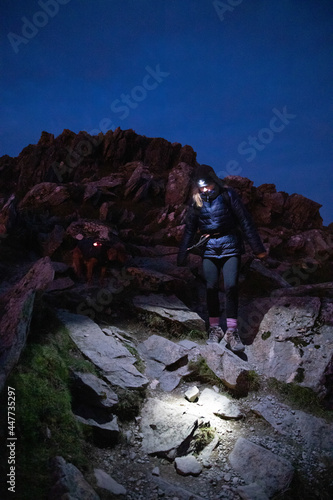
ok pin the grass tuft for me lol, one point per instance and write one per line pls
(200, 371)
(299, 397)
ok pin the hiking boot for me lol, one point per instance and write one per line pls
(215, 334)
(235, 343)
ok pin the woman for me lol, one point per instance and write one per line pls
(219, 214)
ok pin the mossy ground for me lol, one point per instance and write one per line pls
(301, 398)
(201, 372)
(44, 423)
(203, 436)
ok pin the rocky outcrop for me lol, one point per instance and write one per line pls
(294, 343)
(220, 440)
(16, 314)
(139, 187)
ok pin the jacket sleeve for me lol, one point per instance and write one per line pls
(246, 223)
(191, 226)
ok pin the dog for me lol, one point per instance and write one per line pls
(90, 253)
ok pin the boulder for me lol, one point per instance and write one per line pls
(177, 188)
(228, 367)
(8, 214)
(50, 242)
(255, 464)
(44, 195)
(260, 279)
(68, 482)
(294, 343)
(301, 213)
(89, 228)
(140, 183)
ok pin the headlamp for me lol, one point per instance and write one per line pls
(202, 183)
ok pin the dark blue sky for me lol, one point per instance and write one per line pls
(246, 83)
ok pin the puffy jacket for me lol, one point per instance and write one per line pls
(226, 219)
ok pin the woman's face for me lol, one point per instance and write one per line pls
(207, 189)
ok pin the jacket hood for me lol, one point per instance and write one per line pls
(207, 174)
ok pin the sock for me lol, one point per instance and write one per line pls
(214, 321)
(232, 323)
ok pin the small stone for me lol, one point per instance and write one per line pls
(153, 384)
(192, 394)
(188, 465)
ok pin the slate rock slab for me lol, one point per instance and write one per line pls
(170, 308)
(104, 434)
(123, 374)
(314, 433)
(91, 390)
(220, 405)
(162, 350)
(256, 464)
(165, 427)
(106, 482)
(68, 482)
(173, 491)
(105, 352)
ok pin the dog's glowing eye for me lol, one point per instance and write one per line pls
(97, 244)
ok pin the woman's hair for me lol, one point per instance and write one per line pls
(196, 197)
